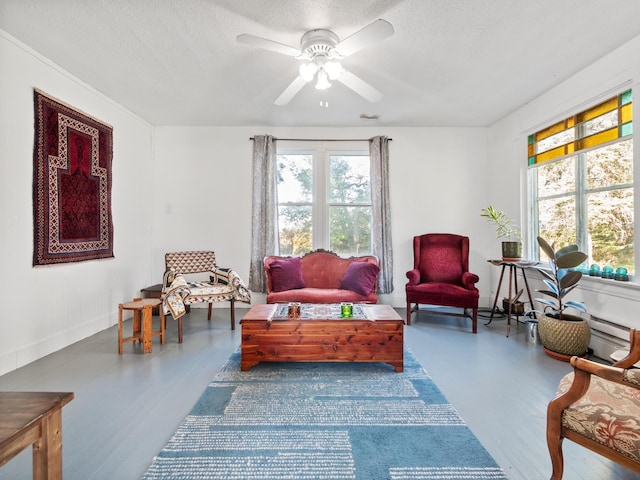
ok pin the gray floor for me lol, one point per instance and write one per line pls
(127, 406)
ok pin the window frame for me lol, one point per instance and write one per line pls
(321, 155)
(581, 190)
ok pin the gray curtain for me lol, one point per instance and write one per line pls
(379, 154)
(264, 226)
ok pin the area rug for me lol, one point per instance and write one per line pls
(323, 421)
(71, 184)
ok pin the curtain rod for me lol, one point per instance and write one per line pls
(323, 139)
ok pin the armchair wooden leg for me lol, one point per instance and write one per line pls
(180, 330)
(409, 313)
(557, 462)
(554, 441)
(474, 321)
(209, 313)
(233, 314)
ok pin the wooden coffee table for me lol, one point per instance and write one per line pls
(378, 338)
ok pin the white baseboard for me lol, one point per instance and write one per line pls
(607, 337)
(15, 359)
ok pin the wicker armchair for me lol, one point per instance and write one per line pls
(598, 407)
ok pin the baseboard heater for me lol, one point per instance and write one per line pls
(607, 337)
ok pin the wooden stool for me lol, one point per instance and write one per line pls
(142, 323)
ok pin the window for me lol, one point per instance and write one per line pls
(581, 182)
(324, 201)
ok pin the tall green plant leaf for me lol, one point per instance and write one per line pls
(562, 279)
(577, 305)
(567, 249)
(546, 248)
(570, 279)
(571, 259)
(547, 275)
(548, 292)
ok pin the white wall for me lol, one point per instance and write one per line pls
(438, 182)
(47, 308)
(178, 188)
(612, 301)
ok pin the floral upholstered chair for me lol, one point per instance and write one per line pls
(598, 407)
(180, 288)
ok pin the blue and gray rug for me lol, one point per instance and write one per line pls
(300, 421)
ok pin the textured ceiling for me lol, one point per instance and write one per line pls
(449, 63)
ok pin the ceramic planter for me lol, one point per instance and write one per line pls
(511, 251)
(570, 336)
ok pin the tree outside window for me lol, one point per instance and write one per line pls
(324, 201)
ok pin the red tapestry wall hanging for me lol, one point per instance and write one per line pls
(71, 185)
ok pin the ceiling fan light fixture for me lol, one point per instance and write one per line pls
(333, 69)
(320, 53)
(307, 71)
(323, 81)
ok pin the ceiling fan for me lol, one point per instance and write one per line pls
(321, 51)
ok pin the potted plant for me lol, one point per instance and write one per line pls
(505, 228)
(561, 333)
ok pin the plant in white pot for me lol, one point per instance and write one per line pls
(505, 228)
(562, 333)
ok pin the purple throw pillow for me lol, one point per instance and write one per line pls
(286, 274)
(360, 277)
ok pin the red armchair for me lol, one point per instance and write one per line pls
(441, 276)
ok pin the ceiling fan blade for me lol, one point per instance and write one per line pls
(372, 33)
(291, 91)
(359, 86)
(259, 42)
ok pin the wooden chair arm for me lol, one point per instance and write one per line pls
(583, 369)
(607, 372)
(634, 351)
(579, 387)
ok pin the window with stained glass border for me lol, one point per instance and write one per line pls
(581, 182)
(607, 121)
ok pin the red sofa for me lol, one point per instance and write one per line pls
(321, 277)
